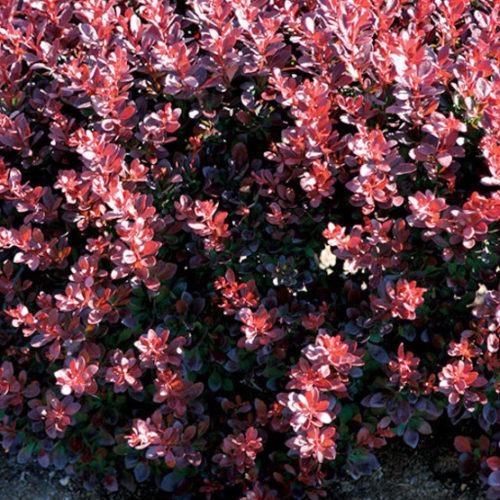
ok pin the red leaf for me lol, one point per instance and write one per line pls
(493, 463)
(462, 444)
(127, 113)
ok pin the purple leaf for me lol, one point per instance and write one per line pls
(142, 472)
(411, 437)
(24, 454)
(494, 479)
(378, 353)
(489, 413)
(110, 483)
(43, 458)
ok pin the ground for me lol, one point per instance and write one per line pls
(429, 472)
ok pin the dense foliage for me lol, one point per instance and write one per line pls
(244, 243)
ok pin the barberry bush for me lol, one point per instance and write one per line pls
(245, 243)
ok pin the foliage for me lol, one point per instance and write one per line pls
(244, 243)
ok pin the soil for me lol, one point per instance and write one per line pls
(429, 472)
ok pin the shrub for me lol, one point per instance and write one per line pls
(244, 243)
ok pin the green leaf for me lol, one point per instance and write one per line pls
(214, 382)
(347, 413)
(124, 335)
(80, 417)
(227, 384)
